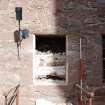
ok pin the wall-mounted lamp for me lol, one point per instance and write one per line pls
(18, 11)
(19, 34)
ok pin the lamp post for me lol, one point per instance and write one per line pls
(19, 34)
(18, 11)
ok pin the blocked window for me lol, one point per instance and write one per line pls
(50, 59)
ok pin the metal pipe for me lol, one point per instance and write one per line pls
(19, 34)
(15, 88)
(83, 90)
(87, 94)
(81, 71)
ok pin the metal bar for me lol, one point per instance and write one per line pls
(19, 43)
(84, 90)
(18, 48)
(19, 26)
(17, 97)
(11, 100)
(81, 70)
(13, 89)
(88, 95)
(19, 34)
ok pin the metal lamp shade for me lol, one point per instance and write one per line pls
(18, 11)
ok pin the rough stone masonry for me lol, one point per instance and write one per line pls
(73, 18)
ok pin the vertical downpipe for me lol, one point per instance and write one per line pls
(81, 72)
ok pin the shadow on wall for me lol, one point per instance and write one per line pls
(63, 15)
(63, 24)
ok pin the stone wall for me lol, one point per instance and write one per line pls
(73, 18)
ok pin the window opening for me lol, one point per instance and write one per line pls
(50, 55)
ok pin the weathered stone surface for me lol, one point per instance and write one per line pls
(4, 4)
(73, 18)
(13, 70)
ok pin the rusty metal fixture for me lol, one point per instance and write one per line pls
(12, 95)
(17, 37)
(19, 34)
(18, 11)
(87, 96)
